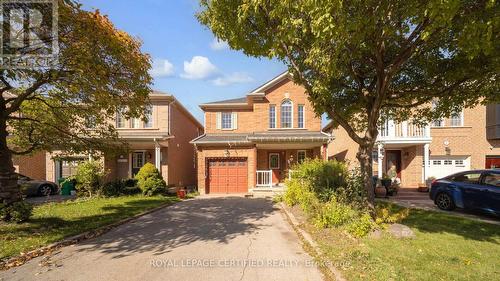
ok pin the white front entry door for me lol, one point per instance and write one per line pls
(442, 166)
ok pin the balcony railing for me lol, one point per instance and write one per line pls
(404, 130)
(265, 178)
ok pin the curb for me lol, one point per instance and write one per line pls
(310, 241)
(23, 258)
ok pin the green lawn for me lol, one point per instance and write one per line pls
(445, 248)
(55, 221)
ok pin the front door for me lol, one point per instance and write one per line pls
(275, 166)
(137, 162)
(393, 157)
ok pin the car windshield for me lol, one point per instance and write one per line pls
(492, 179)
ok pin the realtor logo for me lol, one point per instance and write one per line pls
(28, 34)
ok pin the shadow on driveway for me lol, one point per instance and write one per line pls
(210, 219)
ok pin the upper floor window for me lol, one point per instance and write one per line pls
(438, 123)
(120, 119)
(227, 120)
(456, 119)
(135, 123)
(148, 114)
(272, 116)
(300, 117)
(286, 114)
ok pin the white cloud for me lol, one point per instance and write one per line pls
(199, 68)
(233, 78)
(218, 45)
(161, 68)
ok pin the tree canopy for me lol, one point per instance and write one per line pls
(362, 61)
(70, 106)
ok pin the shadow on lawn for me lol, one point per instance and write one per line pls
(212, 219)
(435, 222)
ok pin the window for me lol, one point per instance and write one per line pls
(456, 119)
(438, 123)
(448, 162)
(492, 179)
(466, 177)
(120, 119)
(459, 163)
(274, 161)
(286, 114)
(436, 162)
(148, 114)
(300, 117)
(226, 120)
(90, 122)
(135, 123)
(272, 116)
(301, 156)
(137, 160)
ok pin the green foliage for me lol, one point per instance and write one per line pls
(89, 178)
(18, 212)
(120, 187)
(387, 214)
(150, 181)
(334, 214)
(361, 226)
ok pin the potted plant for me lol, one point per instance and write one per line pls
(428, 184)
(386, 182)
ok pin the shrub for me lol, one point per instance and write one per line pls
(89, 178)
(334, 214)
(387, 214)
(361, 226)
(324, 177)
(120, 187)
(150, 181)
(299, 192)
(18, 211)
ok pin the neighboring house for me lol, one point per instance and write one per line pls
(163, 141)
(32, 166)
(467, 140)
(250, 143)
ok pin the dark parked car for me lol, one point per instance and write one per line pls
(31, 187)
(471, 190)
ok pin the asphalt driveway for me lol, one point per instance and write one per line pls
(229, 238)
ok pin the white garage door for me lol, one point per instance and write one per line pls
(442, 166)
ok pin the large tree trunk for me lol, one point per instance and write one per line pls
(9, 191)
(364, 157)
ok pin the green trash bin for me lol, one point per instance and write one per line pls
(66, 186)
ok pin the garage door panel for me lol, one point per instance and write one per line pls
(227, 176)
(443, 166)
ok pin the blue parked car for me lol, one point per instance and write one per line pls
(471, 190)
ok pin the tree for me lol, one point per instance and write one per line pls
(69, 106)
(361, 61)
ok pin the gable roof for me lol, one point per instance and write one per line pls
(256, 93)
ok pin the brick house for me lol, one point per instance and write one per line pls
(162, 141)
(250, 143)
(467, 140)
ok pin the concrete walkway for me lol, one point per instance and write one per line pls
(203, 239)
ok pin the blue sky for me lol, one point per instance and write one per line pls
(188, 63)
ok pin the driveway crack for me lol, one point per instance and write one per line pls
(246, 260)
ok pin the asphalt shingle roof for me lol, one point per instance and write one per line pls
(238, 100)
(273, 136)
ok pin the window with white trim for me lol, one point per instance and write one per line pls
(456, 119)
(301, 156)
(148, 114)
(120, 119)
(436, 162)
(226, 120)
(448, 162)
(286, 114)
(300, 116)
(272, 116)
(274, 161)
(459, 163)
(437, 122)
(135, 123)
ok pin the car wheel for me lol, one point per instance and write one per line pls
(445, 202)
(44, 190)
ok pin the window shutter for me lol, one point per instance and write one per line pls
(218, 120)
(234, 120)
